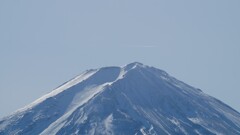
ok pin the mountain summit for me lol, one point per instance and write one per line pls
(131, 100)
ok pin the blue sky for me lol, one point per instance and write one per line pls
(45, 43)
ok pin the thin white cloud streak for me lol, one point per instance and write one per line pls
(143, 46)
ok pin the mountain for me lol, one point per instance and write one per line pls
(131, 100)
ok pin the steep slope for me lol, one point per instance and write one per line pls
(134, 99)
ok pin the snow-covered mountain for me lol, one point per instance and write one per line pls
(132, 100)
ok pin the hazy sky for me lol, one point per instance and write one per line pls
(44, 43)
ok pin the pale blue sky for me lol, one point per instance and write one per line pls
(46, 42)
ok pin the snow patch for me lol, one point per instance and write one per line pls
(108, 125)
(178, 124)
(142, 131)
(196, 120)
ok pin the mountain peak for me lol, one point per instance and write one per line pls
(134, 99)
(134, 65)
